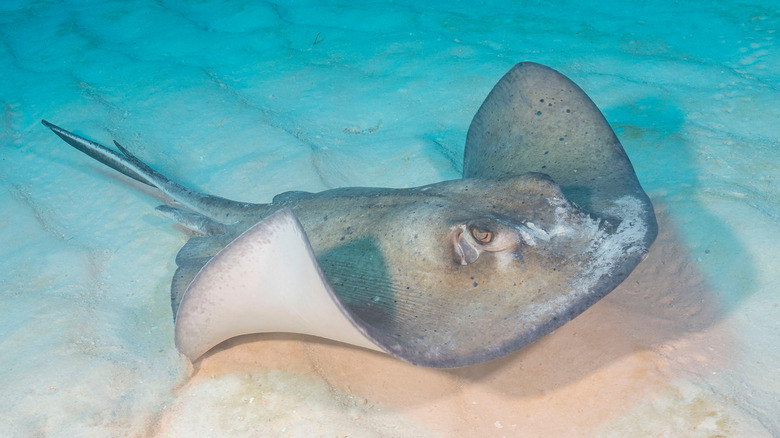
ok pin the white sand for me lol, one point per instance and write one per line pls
(246, 100)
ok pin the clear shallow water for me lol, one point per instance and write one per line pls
(247, 100)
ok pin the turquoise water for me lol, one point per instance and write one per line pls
(250, 99)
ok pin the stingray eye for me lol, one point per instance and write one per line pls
(491, 235)
(482, 236)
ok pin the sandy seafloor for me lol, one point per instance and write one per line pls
(248, 99)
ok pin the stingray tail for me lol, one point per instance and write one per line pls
(203, 213)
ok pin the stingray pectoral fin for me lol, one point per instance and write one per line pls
(537, 120)
(266, 280)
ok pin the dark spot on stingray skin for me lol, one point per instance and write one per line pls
(538, 113)
(476, 284)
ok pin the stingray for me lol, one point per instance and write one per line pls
(548, 218)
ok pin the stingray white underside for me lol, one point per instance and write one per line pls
(266, 280)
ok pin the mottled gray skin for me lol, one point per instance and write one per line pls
(462, 271)
(392, 257)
